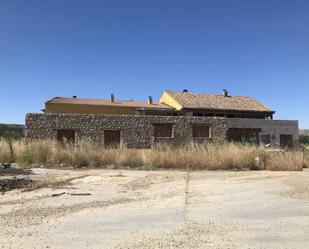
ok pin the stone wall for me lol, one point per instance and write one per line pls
(136, 131)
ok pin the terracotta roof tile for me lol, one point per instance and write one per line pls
(217, 102)
(105, 102)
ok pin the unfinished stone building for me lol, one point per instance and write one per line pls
(178, 116)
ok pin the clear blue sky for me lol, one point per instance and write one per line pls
(136, 48)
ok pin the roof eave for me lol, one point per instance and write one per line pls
(50, 100)
(232, 110)
(109, 105)
(155, 108)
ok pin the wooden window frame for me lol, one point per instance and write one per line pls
(197, 126)
(62, 138)
(162, 124)
(112, 145)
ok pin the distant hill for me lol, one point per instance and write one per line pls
(304, 132)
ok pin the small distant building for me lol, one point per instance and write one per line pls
(178, 116)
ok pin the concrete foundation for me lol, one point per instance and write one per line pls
(274, 128)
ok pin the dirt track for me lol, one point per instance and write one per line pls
(158, 209)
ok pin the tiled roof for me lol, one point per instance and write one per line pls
(105, 102)
(190, 100)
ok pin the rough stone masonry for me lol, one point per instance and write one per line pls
(136, 131)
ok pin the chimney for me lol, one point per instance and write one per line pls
(74, 97)
(185, 90)
(225, 93)
(112, 98)
(150, 102)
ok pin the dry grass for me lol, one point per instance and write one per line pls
(305, 149)
(4, 151)
(306, 159)
(284, 160)
(190, 157)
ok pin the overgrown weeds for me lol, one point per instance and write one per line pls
(305, 149)
(191, 156)
(4, 151)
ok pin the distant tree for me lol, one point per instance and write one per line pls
(304, 139)
(7, 132)
(9, 135)
(3, 130)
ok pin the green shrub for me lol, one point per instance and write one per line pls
(80, 159)
(304, 139)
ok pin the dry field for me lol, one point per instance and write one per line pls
(98, 208)
(191, 156)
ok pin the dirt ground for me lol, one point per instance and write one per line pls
(157, 209)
